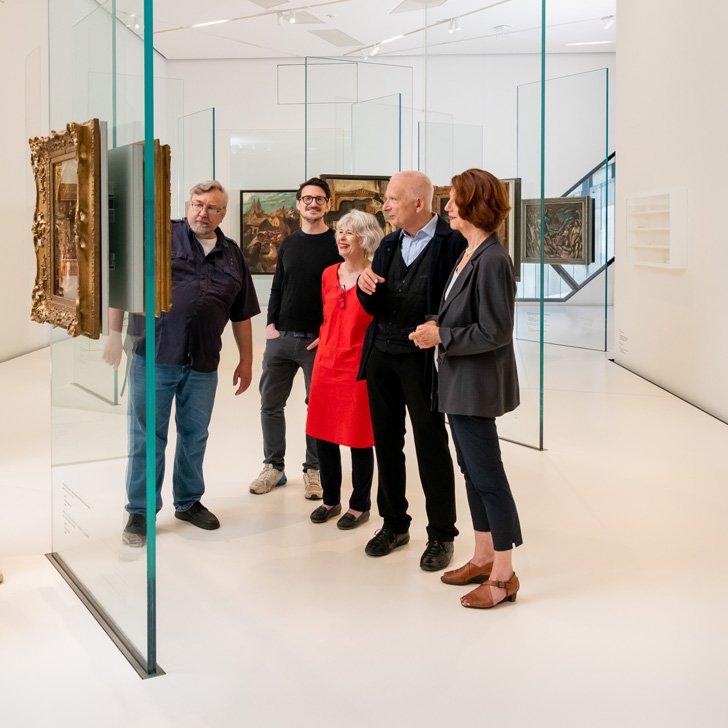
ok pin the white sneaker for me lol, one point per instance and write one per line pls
(312, 481)
(268, 479)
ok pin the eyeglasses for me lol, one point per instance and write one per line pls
(341, 297)
(212, 209)
(308, 199)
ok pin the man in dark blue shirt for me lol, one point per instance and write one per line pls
(211, 284)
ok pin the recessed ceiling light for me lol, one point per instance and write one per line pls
(591, 42)
(212, 22)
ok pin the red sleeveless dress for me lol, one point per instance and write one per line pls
(338, 405)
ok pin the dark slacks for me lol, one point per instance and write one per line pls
(282, 359)
(489, 496)
(395, 384)
(362, 472)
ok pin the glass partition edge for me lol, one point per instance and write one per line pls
(149, 323)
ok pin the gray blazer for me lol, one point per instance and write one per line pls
(477, 364)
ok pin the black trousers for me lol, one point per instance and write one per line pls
(362, 472)
(489, 495)
(396, 383)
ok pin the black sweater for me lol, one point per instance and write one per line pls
(295, 298)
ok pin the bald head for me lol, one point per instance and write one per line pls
(409, 201)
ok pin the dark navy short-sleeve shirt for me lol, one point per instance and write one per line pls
(207, 291)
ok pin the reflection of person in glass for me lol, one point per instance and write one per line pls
(211, 284)
(338, 407)
(478, 381)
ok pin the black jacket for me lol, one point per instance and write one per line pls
(448, 244)
(478, 374)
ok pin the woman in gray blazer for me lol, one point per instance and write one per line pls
(477, 380)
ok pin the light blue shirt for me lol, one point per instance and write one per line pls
(412, 247)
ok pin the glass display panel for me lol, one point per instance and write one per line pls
(577, 306)
(446, 149)
(340, 96)
(448, 143)
(97, 70)
(376, 136)
(196, 155)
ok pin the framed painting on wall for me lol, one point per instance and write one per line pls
(67, 228)
(357, 193)
(510, 230)
(267, 218)
(568, 230)
(440, 198)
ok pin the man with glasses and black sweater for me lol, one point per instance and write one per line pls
(295, 314)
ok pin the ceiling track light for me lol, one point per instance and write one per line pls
(609, 21)
(454, 25)
(292, 16)
(375, 50)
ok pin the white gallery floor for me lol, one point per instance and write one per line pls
(274, 621)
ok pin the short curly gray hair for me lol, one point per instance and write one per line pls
(209, 186)
(365, 226)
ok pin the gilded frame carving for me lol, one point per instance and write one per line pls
(163, 228)
(67, 229)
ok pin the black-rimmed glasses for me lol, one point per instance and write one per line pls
(308, 199)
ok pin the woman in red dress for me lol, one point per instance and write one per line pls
(338, 406)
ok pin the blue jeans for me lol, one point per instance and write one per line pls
(195, 397)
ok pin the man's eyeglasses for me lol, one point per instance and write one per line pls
(341, 298)
(212, 209)
(308, 199)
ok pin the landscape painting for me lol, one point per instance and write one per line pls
(267, 218)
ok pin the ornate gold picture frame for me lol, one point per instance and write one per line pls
(353, 192)
(67, 229)
(163, 228)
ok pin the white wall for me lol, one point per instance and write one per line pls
(23, 59)
(671, 122)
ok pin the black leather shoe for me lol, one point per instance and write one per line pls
(349, 520)
(135, 531)
(385, 541)
(437, 555)
(322, 513)
(199, 516)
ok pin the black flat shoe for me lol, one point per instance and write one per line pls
(437, 555)
(349, 521)
(199, 516)
(385, 541)
(323, 514)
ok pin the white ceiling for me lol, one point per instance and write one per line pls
(348, 27)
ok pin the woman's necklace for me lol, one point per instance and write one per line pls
(470, 251)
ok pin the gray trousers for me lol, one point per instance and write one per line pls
(282, 358)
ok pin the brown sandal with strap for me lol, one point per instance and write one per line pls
(481, 598)
(468, 574)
